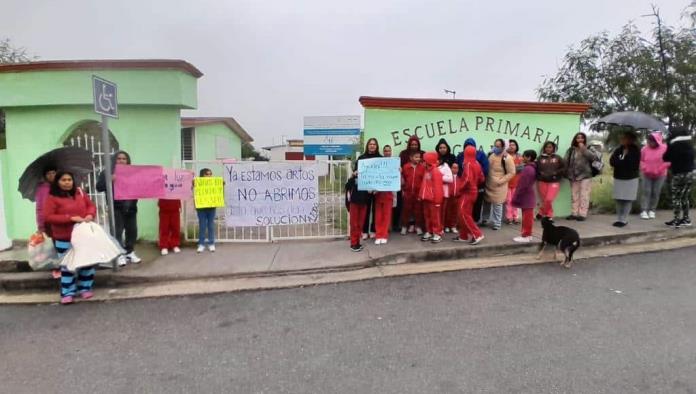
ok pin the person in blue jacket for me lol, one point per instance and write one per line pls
(482, 159)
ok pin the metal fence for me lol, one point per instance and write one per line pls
(332, 221)
(89, 185)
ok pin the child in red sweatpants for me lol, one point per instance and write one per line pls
(472, 177)
(169, 226)
(451, 209)
(412, 208)
(431, 193)
(525, 196)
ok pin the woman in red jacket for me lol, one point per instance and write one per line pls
(66, 205)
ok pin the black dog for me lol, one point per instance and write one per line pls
(562, 238)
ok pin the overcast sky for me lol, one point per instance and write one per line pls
(269, 63)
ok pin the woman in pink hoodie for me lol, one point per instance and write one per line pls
(653, 171)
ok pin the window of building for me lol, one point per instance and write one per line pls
(188, 148)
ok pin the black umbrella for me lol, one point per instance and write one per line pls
(76, 160)
(634, 119)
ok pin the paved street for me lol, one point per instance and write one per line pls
(627, 325)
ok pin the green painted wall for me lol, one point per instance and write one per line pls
(146, 87)
(206, 139)
(394, 127)
(141, 131)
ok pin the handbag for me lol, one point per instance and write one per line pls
(596, 167)
(42, 253)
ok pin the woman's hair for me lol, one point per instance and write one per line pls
(55, 186)
(386, 146)
(632, 137)
(502, 141)
(204, 170)
(121, 152)
(547, 143)
(517, 146)
(575, 139)
(530, 154)
(368, 143)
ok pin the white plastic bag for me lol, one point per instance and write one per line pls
(91, 245)
(42, 253)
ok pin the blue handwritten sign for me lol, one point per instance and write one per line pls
(379, 174)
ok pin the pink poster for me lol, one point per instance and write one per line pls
(138, 182)
(178, 184)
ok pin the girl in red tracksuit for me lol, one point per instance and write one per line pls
(412, 208)
(384, 203)
(169, 226)
(451, 215)
(431, 193)
(472, 178)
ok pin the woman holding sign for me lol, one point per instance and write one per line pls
(125, 214)
(359, 199)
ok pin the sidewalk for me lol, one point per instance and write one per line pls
(320, 256)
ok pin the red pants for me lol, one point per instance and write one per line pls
(357, 219)
(527, 222)
(383, 215)
(467, 225)
(169, 229)
(450, 215)
(432, 213)
(412, 208)
(548, 191)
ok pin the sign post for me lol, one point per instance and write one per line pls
(106, 104)
(331, 135)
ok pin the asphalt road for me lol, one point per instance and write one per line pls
(619, 326)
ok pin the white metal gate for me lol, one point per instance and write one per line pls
(89, 185)
(332, 222)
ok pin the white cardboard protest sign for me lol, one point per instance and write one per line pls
(271, 194)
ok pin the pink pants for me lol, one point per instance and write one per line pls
(511, 213)
(581, 196)
(548, 191)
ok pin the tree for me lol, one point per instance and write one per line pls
(248, 151)
(654, 74)
(12, 54)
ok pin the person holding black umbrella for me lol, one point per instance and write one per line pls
(125, 215)
(42, 192)
(626, 163)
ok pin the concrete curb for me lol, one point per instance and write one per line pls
(203, 286)
(106, 278)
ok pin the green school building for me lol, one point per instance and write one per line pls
(48, 104)
(393, 120)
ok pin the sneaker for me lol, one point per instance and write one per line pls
(676, 223)
(455, 231)
(66, 300)
(419, 231)
(356, 248)
(644, 215)
(372, 235)
(378, 241)
(200, 249)
(164, 252)
(176, 250)
(133, 258)
(211, 248)
(364, 236)
(122, 261)
(651, 214)
(86, 295)
(404, 231)
(476, 241)
(523, 240)
(580, 218)
(426, 237)
(457, 239)
(496, 228)
(447, 229)
(619, 224)
(686, 222)
(572, 217)
(412, 229)
(436, 239)
(384, 241)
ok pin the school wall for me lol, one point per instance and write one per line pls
(206, 142)
(151, 134)
(531, 130)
